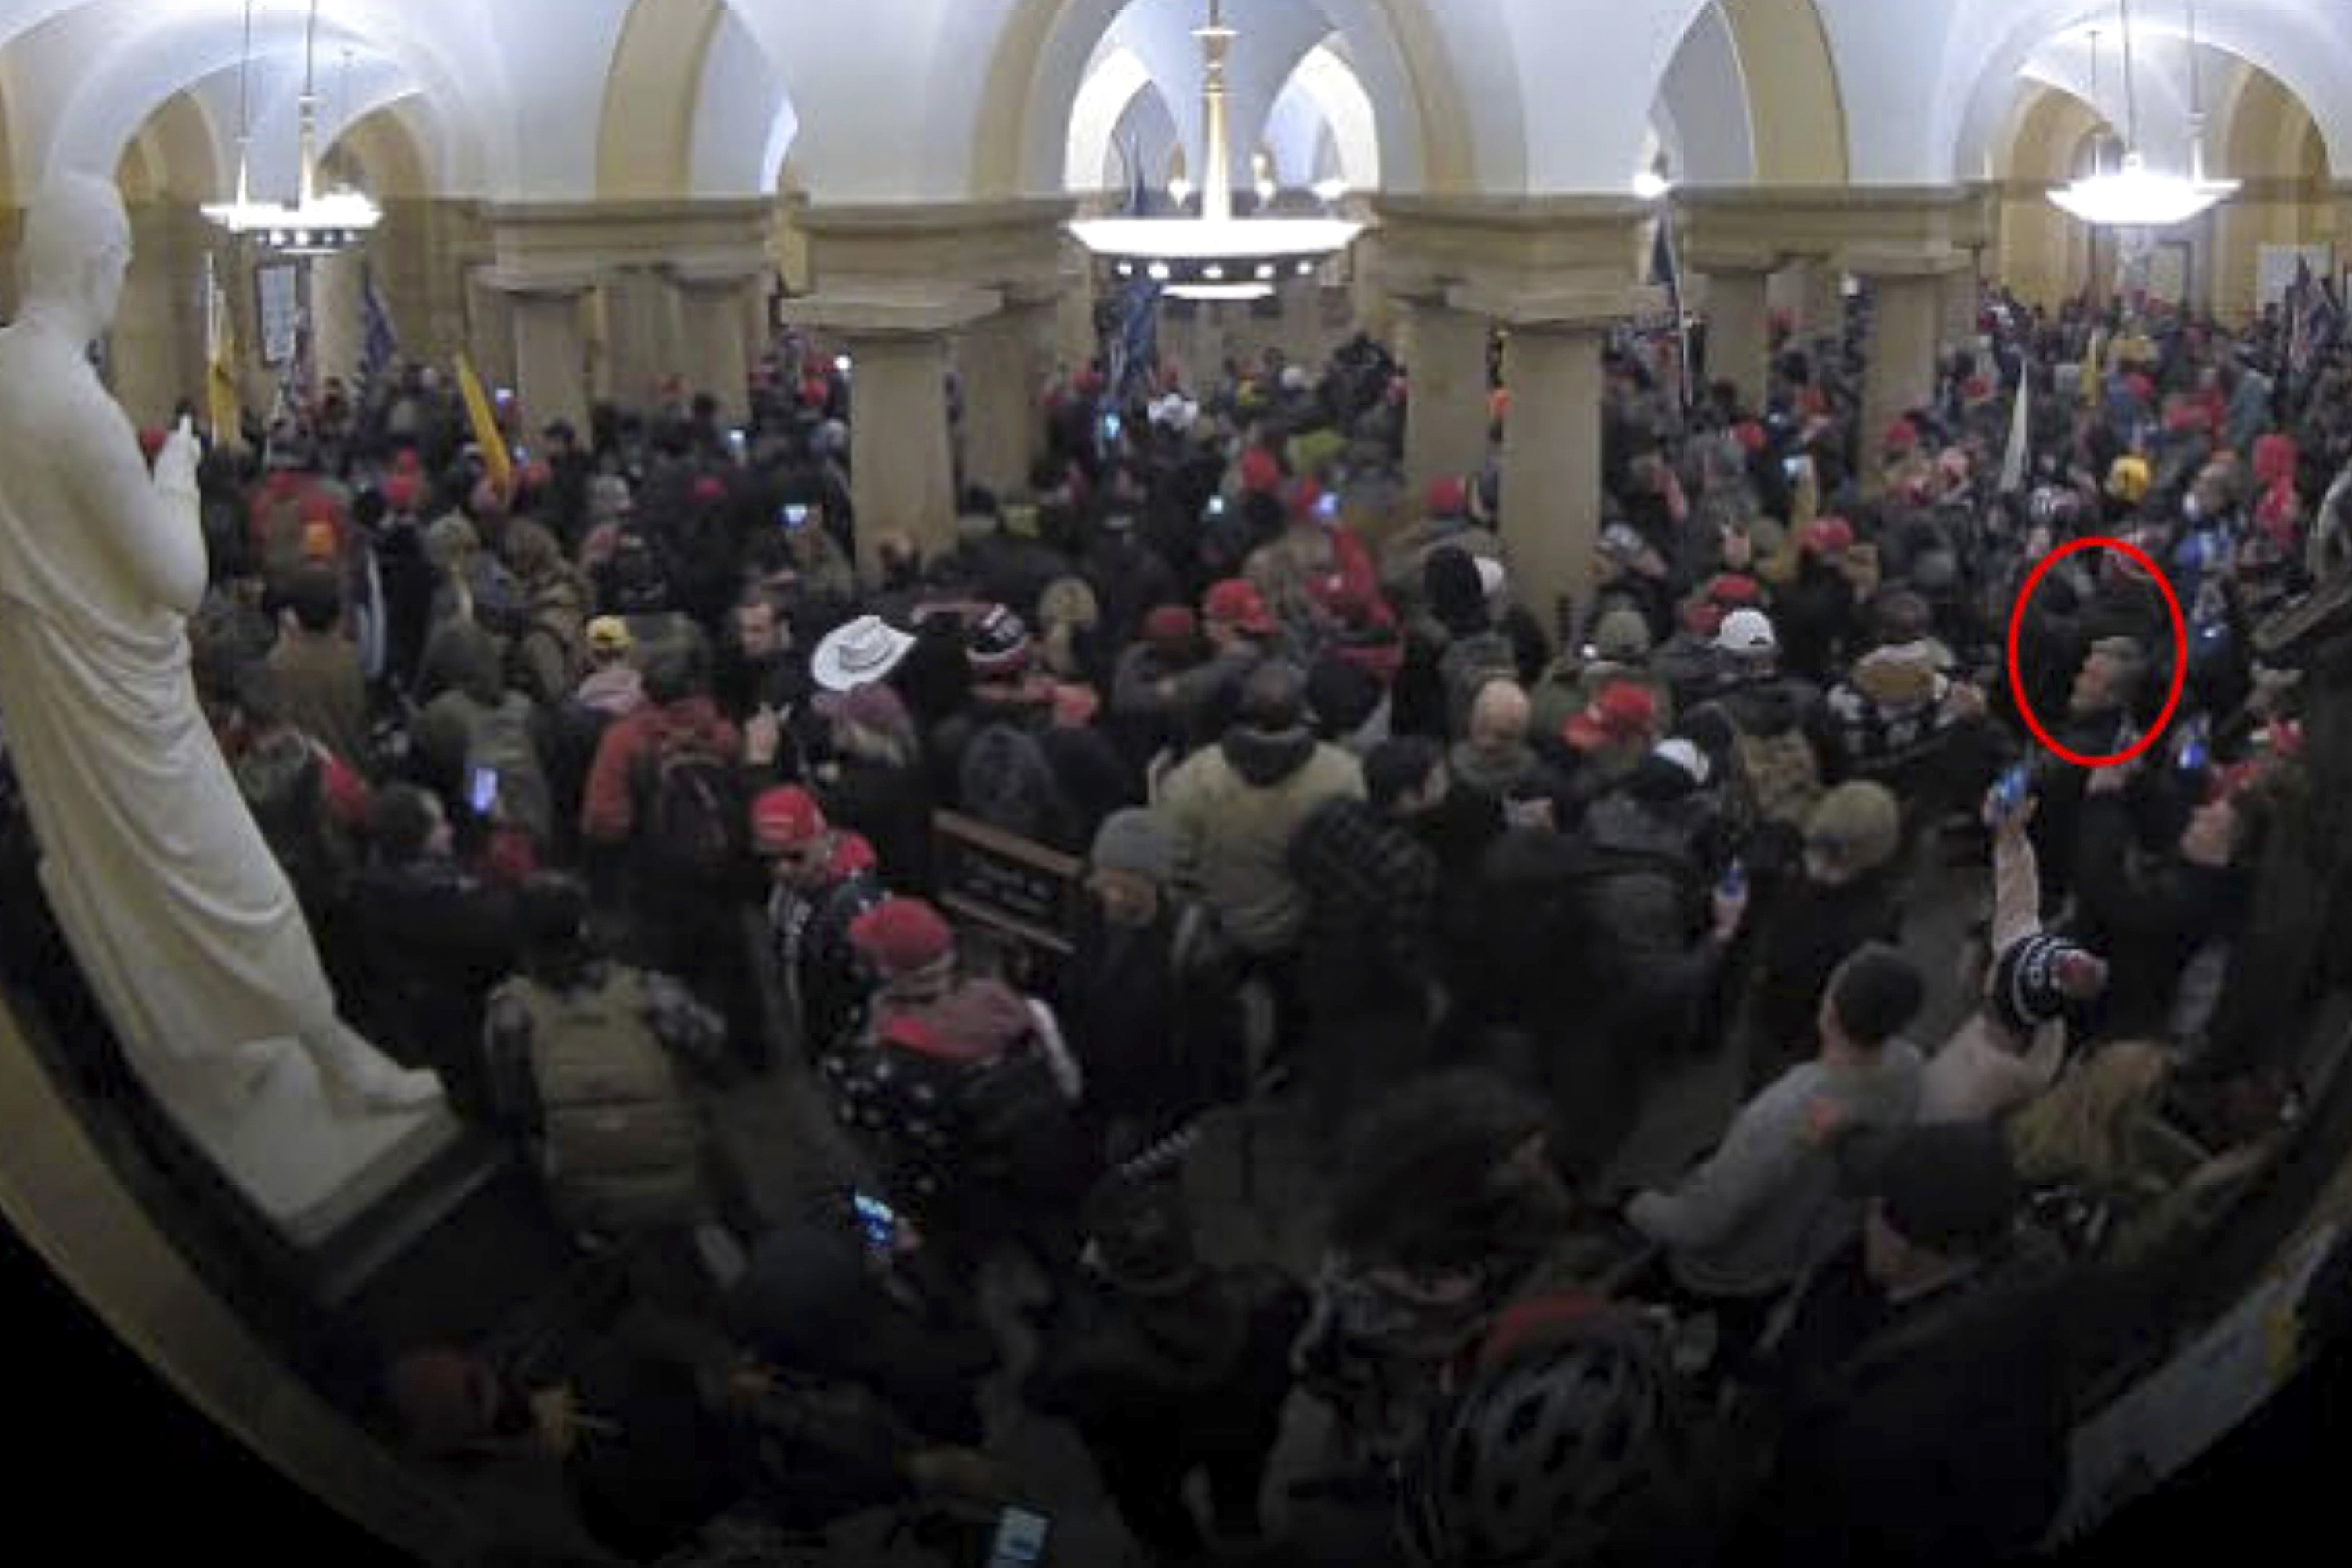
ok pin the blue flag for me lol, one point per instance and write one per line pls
(379, 344)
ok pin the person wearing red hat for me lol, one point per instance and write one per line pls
(960, 1091)
(820, 883)
(1447, 520)
(1260, 472)
(1157, 678)
(1819, 616)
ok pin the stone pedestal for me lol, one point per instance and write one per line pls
(1446, 421)
(1738, 322)
(1001, 358)
(902, 475)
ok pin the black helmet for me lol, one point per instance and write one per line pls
(1568, 1451)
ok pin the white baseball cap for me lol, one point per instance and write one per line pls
(1746, 633)
(1686, 756)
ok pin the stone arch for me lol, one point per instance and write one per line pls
(1328, 91)
(97, 69)
(1045, 47)
(644, 145)
(385, 149)
(2043, 253)
(1970, 90)
(1703, 114)
(1796, 102)
(1105, 99)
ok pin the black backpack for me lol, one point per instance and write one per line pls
(1020, 1133)
(694, 826)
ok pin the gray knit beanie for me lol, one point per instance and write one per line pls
(1135, 841)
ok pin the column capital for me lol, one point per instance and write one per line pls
(1825, 220)
(1719, 260)
(892, 314)
(979, 243)
(1521, 244)
(1558, 309)
(1896, 261)
(603, 235)
(542, 280)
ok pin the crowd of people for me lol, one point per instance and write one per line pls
(611, 787)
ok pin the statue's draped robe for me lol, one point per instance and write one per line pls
(184, 926)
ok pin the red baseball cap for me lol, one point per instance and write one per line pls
(402, 492)
(1749, 434)
(1734, 589)
(852, 853)
(1235, 604)
(1448, 497)
(901, 936)
(1260, 472)
(1623, 712)
(1829, 536)
(785, 819)
(1901, 436)
(1171, 627)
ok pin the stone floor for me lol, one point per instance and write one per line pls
(1258, 1196)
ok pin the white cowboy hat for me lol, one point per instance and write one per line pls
(866, 649)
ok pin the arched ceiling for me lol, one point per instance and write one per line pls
(928, 101)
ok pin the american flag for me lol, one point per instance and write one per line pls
(379, 344)
(1666, 271)
(2315, 321)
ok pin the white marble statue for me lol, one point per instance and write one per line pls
(185, 925)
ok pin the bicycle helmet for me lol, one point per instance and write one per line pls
(1570, 1451)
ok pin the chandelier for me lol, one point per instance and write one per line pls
(1215, 257)
(318, 224)
(2135, 195)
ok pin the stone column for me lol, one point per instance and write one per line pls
(146, 350)
(490, 327)
(1906, 321)
(1552, 467)
(550, 350)
(646, 334)
(1000, 358)
(1551, 447)
(1959, 300)
(902, 476)
(712, 309)
(1738, 322)
(1445, 423)
(335, 292)
(1824, 315)
(1302, 320)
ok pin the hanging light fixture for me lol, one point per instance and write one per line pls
(318, 224)
(2135, 195)
(1178, 252)
(2220, 190)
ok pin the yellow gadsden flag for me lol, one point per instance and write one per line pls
(486, 434)
(222, 407)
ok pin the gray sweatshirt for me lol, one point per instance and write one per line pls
(1766, 1201)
